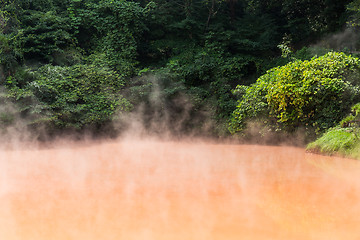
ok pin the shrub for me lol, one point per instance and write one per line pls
(314, 93)
(75, 96)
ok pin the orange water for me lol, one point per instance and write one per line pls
(176, 190)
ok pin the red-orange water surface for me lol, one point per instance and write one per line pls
(155, 190)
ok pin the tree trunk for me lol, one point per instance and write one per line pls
(211, 13)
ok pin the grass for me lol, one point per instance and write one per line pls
(338, 141)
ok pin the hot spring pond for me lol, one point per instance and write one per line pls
(153, 190)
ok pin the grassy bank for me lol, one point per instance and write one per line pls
(338, 141)
(343, 140)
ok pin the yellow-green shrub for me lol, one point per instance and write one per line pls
(317, 93)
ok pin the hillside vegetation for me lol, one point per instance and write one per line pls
(212, 68)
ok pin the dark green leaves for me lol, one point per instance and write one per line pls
(76, 96)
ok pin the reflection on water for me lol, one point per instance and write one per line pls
(169, 190)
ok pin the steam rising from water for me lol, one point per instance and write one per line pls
(148, 189)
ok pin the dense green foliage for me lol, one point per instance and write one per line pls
(72, 96)
(314, 94)
(80, 63)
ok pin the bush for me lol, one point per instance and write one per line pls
(314, 94)
(75, 97)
